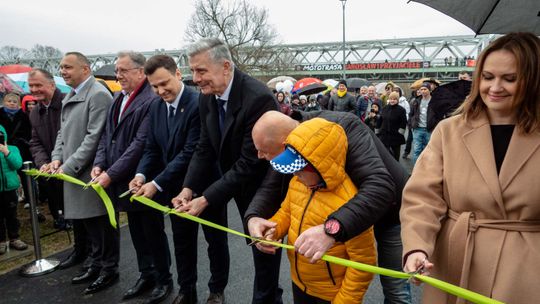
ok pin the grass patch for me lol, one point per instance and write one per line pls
(50, 244)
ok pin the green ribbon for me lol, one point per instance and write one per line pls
(70, 179)
(447, 287)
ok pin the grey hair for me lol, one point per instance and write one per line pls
(48, 76)
(216, 48)
(137, 58)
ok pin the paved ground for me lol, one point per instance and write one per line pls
(56, 287)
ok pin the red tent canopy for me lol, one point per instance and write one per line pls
(14, 68)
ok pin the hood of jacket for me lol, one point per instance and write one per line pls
(4, 132)
(324, 145)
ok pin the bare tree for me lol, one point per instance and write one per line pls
(39, 51)
(12, 54)
(240, 24)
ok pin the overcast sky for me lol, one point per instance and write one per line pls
(107, 26)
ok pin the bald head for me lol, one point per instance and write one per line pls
(269, 133)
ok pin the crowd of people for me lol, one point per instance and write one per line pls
(321, 171)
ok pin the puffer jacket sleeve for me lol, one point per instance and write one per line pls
(355, 284)
(283, 219)
(14, 159)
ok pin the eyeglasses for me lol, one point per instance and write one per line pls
(124, 71)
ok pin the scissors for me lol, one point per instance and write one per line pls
(124, 194)
(263, 238)
(89, 183)
(51, 174)
(418, 270)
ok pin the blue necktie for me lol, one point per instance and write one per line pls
(170, 120)
(221, 110)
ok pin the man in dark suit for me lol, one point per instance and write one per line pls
(231, 104)
(172, 137)
(45, 120)
(120, 149)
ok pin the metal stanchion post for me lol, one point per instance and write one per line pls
(39, 266)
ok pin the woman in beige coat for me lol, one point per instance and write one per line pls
(471, 209)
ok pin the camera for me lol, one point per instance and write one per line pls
(2, 138)
(372, 110)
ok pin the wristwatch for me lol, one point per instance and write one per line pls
(332, 228)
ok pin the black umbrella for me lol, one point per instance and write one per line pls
(357, 83)
(106, 72)
(313, 88)
(491, 16)
(446, 98)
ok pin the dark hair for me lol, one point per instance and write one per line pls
(295, 96)
(525, 48)
(43, 72)
(160, 61)
(80, 57)
(277, 95)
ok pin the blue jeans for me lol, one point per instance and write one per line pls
(421, 138)
(389, 250)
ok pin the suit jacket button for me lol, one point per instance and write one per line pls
(113, 141)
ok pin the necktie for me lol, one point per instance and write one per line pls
(221, 110)
(170, 119)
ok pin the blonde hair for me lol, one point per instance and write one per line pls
(394, 95)
(11, 96)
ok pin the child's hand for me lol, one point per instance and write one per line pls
(4, 149)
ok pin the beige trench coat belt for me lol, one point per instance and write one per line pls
(461, 244)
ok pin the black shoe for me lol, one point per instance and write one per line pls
(186, 297)
(216, 298)
(86, 277)
(139, 288)
(102, 282)
(160, 293)
(72, 260)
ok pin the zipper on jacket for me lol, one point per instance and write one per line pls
(300, 230)
(330, 273)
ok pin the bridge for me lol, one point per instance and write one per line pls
(399, 60)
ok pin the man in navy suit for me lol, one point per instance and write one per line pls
(230, 105)
(120, 149)
(172, 137)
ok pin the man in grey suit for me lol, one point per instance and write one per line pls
(84, 112)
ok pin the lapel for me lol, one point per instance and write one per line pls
(116, 105)
(213, 122)
(480, 146)
(140, 93)
(520, 150)
(180, 110)
(234, 104)
(83, 92)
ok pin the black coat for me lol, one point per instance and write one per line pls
(45, 125)
(392, 119)
(122, 143)
(19, 131)
(379, 177)
(166, 158)
(242, 171)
